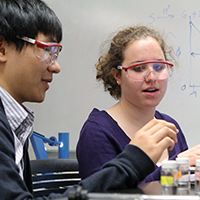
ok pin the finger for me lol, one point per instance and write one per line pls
(163, 124)
(154, 125)
(165, 132)
(161, 129)
(166, 142)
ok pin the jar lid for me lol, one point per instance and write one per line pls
(182, 160)
(198, 162)
(169, 164)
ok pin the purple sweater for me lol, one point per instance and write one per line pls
(101, 139)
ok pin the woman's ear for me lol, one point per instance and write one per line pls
(2, 49)
(116, 75)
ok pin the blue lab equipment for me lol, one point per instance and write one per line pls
(38, 140)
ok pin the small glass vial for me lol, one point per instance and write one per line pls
(197, 177)
(169, 177)
(183, 176)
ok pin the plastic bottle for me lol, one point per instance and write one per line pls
(183, 176)
(169, 177)
(197, 177)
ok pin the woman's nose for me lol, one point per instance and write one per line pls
(151, 76)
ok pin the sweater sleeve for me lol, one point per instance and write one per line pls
(125, 171)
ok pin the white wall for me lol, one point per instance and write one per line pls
(86, 24)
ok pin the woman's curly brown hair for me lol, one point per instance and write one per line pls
(115, 55)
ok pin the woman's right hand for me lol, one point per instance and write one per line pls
(155, 137)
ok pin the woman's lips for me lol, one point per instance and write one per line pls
(151, 91)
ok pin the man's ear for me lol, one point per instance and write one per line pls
(2, 49)
(116, 75)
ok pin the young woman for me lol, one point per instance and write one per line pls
(135, 70)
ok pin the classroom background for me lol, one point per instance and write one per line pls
(86, 25)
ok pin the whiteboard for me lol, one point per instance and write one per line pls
(86, 25)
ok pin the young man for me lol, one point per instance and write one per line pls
(30, 34)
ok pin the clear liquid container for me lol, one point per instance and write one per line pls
(183, 176)
(197, 177)
(169, 177)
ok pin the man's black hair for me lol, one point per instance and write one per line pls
(28, 18)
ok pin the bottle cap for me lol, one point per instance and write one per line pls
(171, 164)
(198, 163)
(182, 161)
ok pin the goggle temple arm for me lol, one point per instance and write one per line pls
(121, 67)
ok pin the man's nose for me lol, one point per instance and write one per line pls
(55, 67)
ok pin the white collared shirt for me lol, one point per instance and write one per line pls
(21, 120)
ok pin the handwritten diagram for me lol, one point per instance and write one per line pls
(192, 51)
